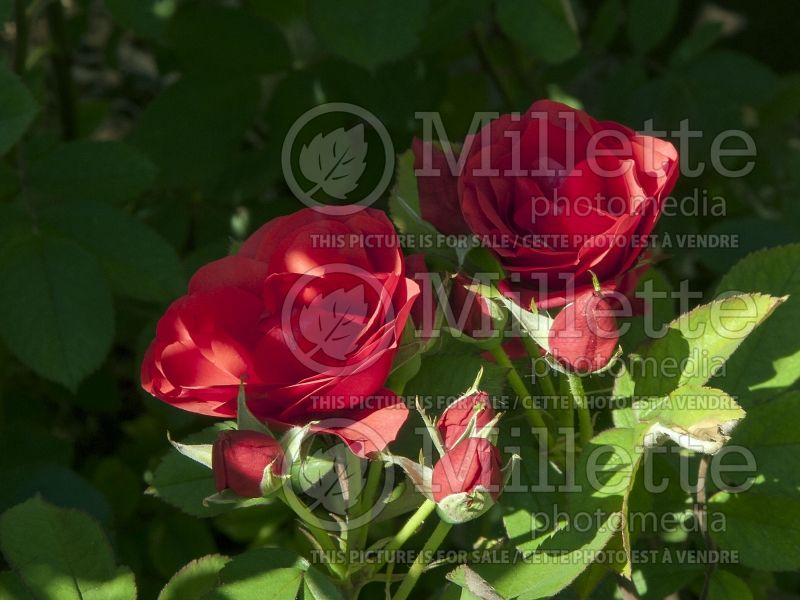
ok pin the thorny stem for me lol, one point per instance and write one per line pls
(626, 588)
(514, 379)
(701, 511)
(316, 528)
(365, 505)
(502, 82)
(22, 30)
(62, 69)
(413, 575)
(584, 416)
(402, 536)
(543, 379)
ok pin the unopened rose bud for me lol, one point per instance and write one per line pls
(246, 462)
(467, 480)
(455, 420)
(584, 334)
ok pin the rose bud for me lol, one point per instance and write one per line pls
(584, 334)
(246, 462)
(467, 480)
(454, 424)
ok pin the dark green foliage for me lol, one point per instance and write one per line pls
(164, 151)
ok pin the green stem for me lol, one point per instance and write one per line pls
(317, 529)
(414, 523)
(494, 68)
(521, 390)
(584, 416)
(21, 46)
(544, 380)
(366, 503)
(413, 575)
(62, 69)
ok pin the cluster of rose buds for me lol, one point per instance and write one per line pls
(468, 477)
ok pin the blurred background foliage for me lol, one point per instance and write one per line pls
(141, 138)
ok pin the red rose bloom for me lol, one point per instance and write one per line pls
(309, 313)
(456, 417)
(555, 194)
(239, 458)
(473, 463)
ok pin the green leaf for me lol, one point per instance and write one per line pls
(176, 539)
(193, 128)
(763, 528)
(473, 585)
(605, 24)
(404, 200)
(137, 261)
(406, 215)
(545, 28)
(5, 9)
(658, 580)
(450, 19)
(92, 171)
(702, 37)
(17, 109)
(650, 21)
(769, 360)
(562, 556)
(148, 18)
(206, 36)
(695, 418)
(698, 344)
(450, 375)
(65, 325)
(522, 512)
(12, 587)
(770, 434)
(369, 32)
(183, 483)
(657, 293)
(55, 484)
(335, 161)
(727, 586)
(534, 324)
(245, 577)
(62, 554)
(558, 562)
(195, 579)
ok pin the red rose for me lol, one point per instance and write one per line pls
(555, 194)
(239, 459)
(584, 334)
(472, 464)
(309, 313)
(456, 417)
